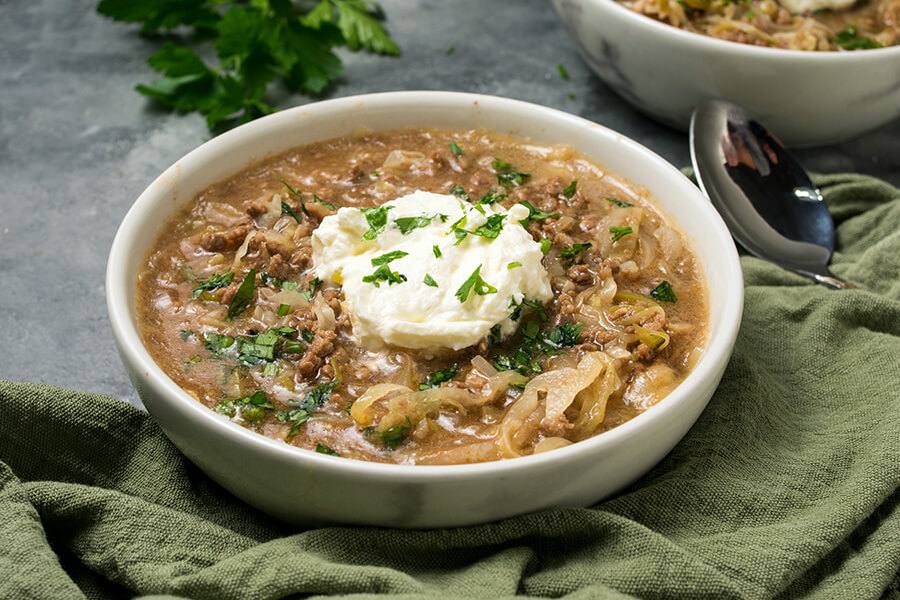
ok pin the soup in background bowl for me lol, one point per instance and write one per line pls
(559, 364)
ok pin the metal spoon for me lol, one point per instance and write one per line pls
(765, 197)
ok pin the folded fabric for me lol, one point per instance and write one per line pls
(787, 486)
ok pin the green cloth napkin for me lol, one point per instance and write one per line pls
(787, 486)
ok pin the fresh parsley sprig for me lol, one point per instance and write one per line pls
(256, 42)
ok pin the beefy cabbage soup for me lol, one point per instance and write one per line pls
(788, 24)
(424, 297)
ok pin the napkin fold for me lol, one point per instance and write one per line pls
(787, 486)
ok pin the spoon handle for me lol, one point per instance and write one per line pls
(833, 282)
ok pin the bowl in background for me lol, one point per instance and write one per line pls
(304, 487)
(804, 98)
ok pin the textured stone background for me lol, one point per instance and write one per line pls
(78, 145)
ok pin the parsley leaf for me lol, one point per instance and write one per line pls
(620, 203)
(299, 197)
(664, 293)
(376, 217)
(407, 224)
(300, 413)
(507, 175)
(513, 265)
(565, 335)
(491, 229)
(256, 43)
(491, 197)
(570, 189)
(849, 39)
(323, 449)
(535, 214)
(389, 257)
(384, 273)
(437, 251)
(620, 232)
(212, 283)
(438, 377)
(474, 283)
(572, 251)
(429, 281)
(458, 191)
(455, 149)
(308, 335)
(545, 245)
(253, 407)
(243, 296)
(391, 437)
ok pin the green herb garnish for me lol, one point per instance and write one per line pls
(308, 294)
(376, 217)
(664, 293)
(491, 197)
(474, 283)
(217, 343)
(620, 232)
(429, 281)
(458, 191)
(618, 202)
(212, 283)
(849, 39)
(253, 407)
(384, 273)
(391, 437)
(327, 205)
(535, 214)
(389, 257)
(572, 251)
(455, 149)
(438, 377)
(562, 71)
(323, 449)
(256, 43)
(545, 245)
(308, 335)
(534, 343)
(513, 265)
(407, 224)
(185, 334)
(436, 250)
(243, 296)
(300, 413)
(507, 175)
(491, 229)
(564, 335)
(570, 189)
(451, 50)
(283, 309)
(284, 206)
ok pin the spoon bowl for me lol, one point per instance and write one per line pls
(765, 197)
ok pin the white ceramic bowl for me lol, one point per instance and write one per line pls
(304, 487)
(805, 98)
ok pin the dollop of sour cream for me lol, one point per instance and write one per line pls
(415, 274)
(802, 6)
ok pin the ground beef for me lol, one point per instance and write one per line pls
(317, 352)
(301, 258)
(255, 208)
(222, 241)
(643, 352)
(580, 274)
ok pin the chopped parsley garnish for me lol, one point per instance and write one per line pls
(300, 413)
(438, 377)
(513, 265)
(293, 347)
(271, 369)
(299, 197)
(308, 335)
(535, 214)
(323, 449)
(389, 257)
(620, 203)
(283, 309)
(243, 296)
(429, 281)
(308, 294)
(620, 232)
(491, 197)
(570, 189)
(217, 343)
(451, 50)
(493, 337)
(455, 149)
(562, 71)
(376, 217)
(185, 334)
(458, 191)
(407, 224)
(572, 251)
(212, 283)
(436, 250)
(327, 205)
(545, 245)
(391, 437)
(664, 293)
(491, 229)
(534, 343)
(384, 273)
(517, 308)
(253, 407)
(255, 349)
(474, 283)
(507, 175)
(849, 39)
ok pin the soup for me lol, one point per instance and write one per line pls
(424, 296)
(789, 24)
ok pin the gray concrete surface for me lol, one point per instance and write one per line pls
(78, 145)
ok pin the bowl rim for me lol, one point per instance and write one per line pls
(120, 304)
(657, 28)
